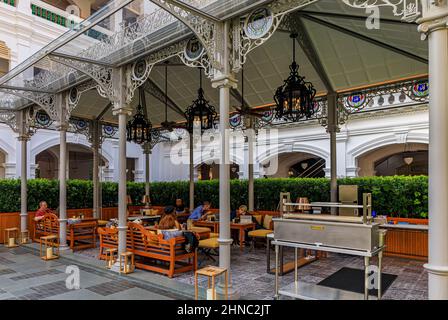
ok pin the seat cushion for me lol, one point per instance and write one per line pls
(262, 233)
(211, 243)
(102, 223)
(267, 221)
(258, 218)
(214, 235)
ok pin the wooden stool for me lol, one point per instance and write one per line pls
(210, 272)
(50, 245)
(111, 254)
(11, 237)
(25, 237)
(127, 264)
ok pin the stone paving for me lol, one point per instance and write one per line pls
(23, 275)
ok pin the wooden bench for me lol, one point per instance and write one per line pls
(167, 256)
(80, 235)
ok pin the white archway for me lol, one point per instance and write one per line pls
(365, 148)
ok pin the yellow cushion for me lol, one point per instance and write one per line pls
(211, 243)
(267, 221)
(214, 235)
(262, 233)
(102, 223)
(259, 218)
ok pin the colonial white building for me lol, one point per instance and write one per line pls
(386, 134)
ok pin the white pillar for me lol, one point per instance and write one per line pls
(63, 187)
(250, 152)
(437, 266)
(147, 152)
(23, 183)
(191, 174)
(122, 193)
(95, 171)
(332, 130)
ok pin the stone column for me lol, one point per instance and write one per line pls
(191, 173)
(122, 192)
(23, 138)
(250, 153)
(147, 152)
(332, 130)
(434, 26)
(95, 171)
(62, 127)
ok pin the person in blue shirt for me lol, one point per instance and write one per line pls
(201, 212)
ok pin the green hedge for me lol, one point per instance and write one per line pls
(394, 196)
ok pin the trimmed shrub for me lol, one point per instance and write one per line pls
(399, 196)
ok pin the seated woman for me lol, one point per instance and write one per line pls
(43, 210)
(168, 224)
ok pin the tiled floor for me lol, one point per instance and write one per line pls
(251, 281)
(24, 276)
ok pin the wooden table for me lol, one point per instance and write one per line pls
(241, 227)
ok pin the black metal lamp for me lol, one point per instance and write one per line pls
(295, 98)
(139, 128)
(200, 115)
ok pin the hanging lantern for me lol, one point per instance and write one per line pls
(139, 128)
(200, 115)
(295, 98)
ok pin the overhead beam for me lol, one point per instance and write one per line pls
(26, 89)
(160, 95)
(352, 17)
(308, 47)
(74, 58)
(186, 6)
(103, 112)
(237, 95)
(365, 38)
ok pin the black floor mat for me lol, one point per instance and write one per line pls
(349, 279)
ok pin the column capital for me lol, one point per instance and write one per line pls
(224, 81)
(434, 17)
(122, 110)
(61, 126)
(24, 137)
(147, 149)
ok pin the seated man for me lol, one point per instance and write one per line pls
(201, 212)
(43, 209)
(180, 207)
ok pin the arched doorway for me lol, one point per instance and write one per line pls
(211, 171)
(80, 164)
(299, 164)
(396, 159)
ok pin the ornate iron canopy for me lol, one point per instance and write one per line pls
(139, 128)
(295, 98)
(200, 115)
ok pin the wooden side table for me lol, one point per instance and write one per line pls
(127, 263)
(25, 237)
(211, 272)
(11, 237)
(111, 257)
(49, 247)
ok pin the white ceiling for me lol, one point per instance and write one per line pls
(348, 62)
